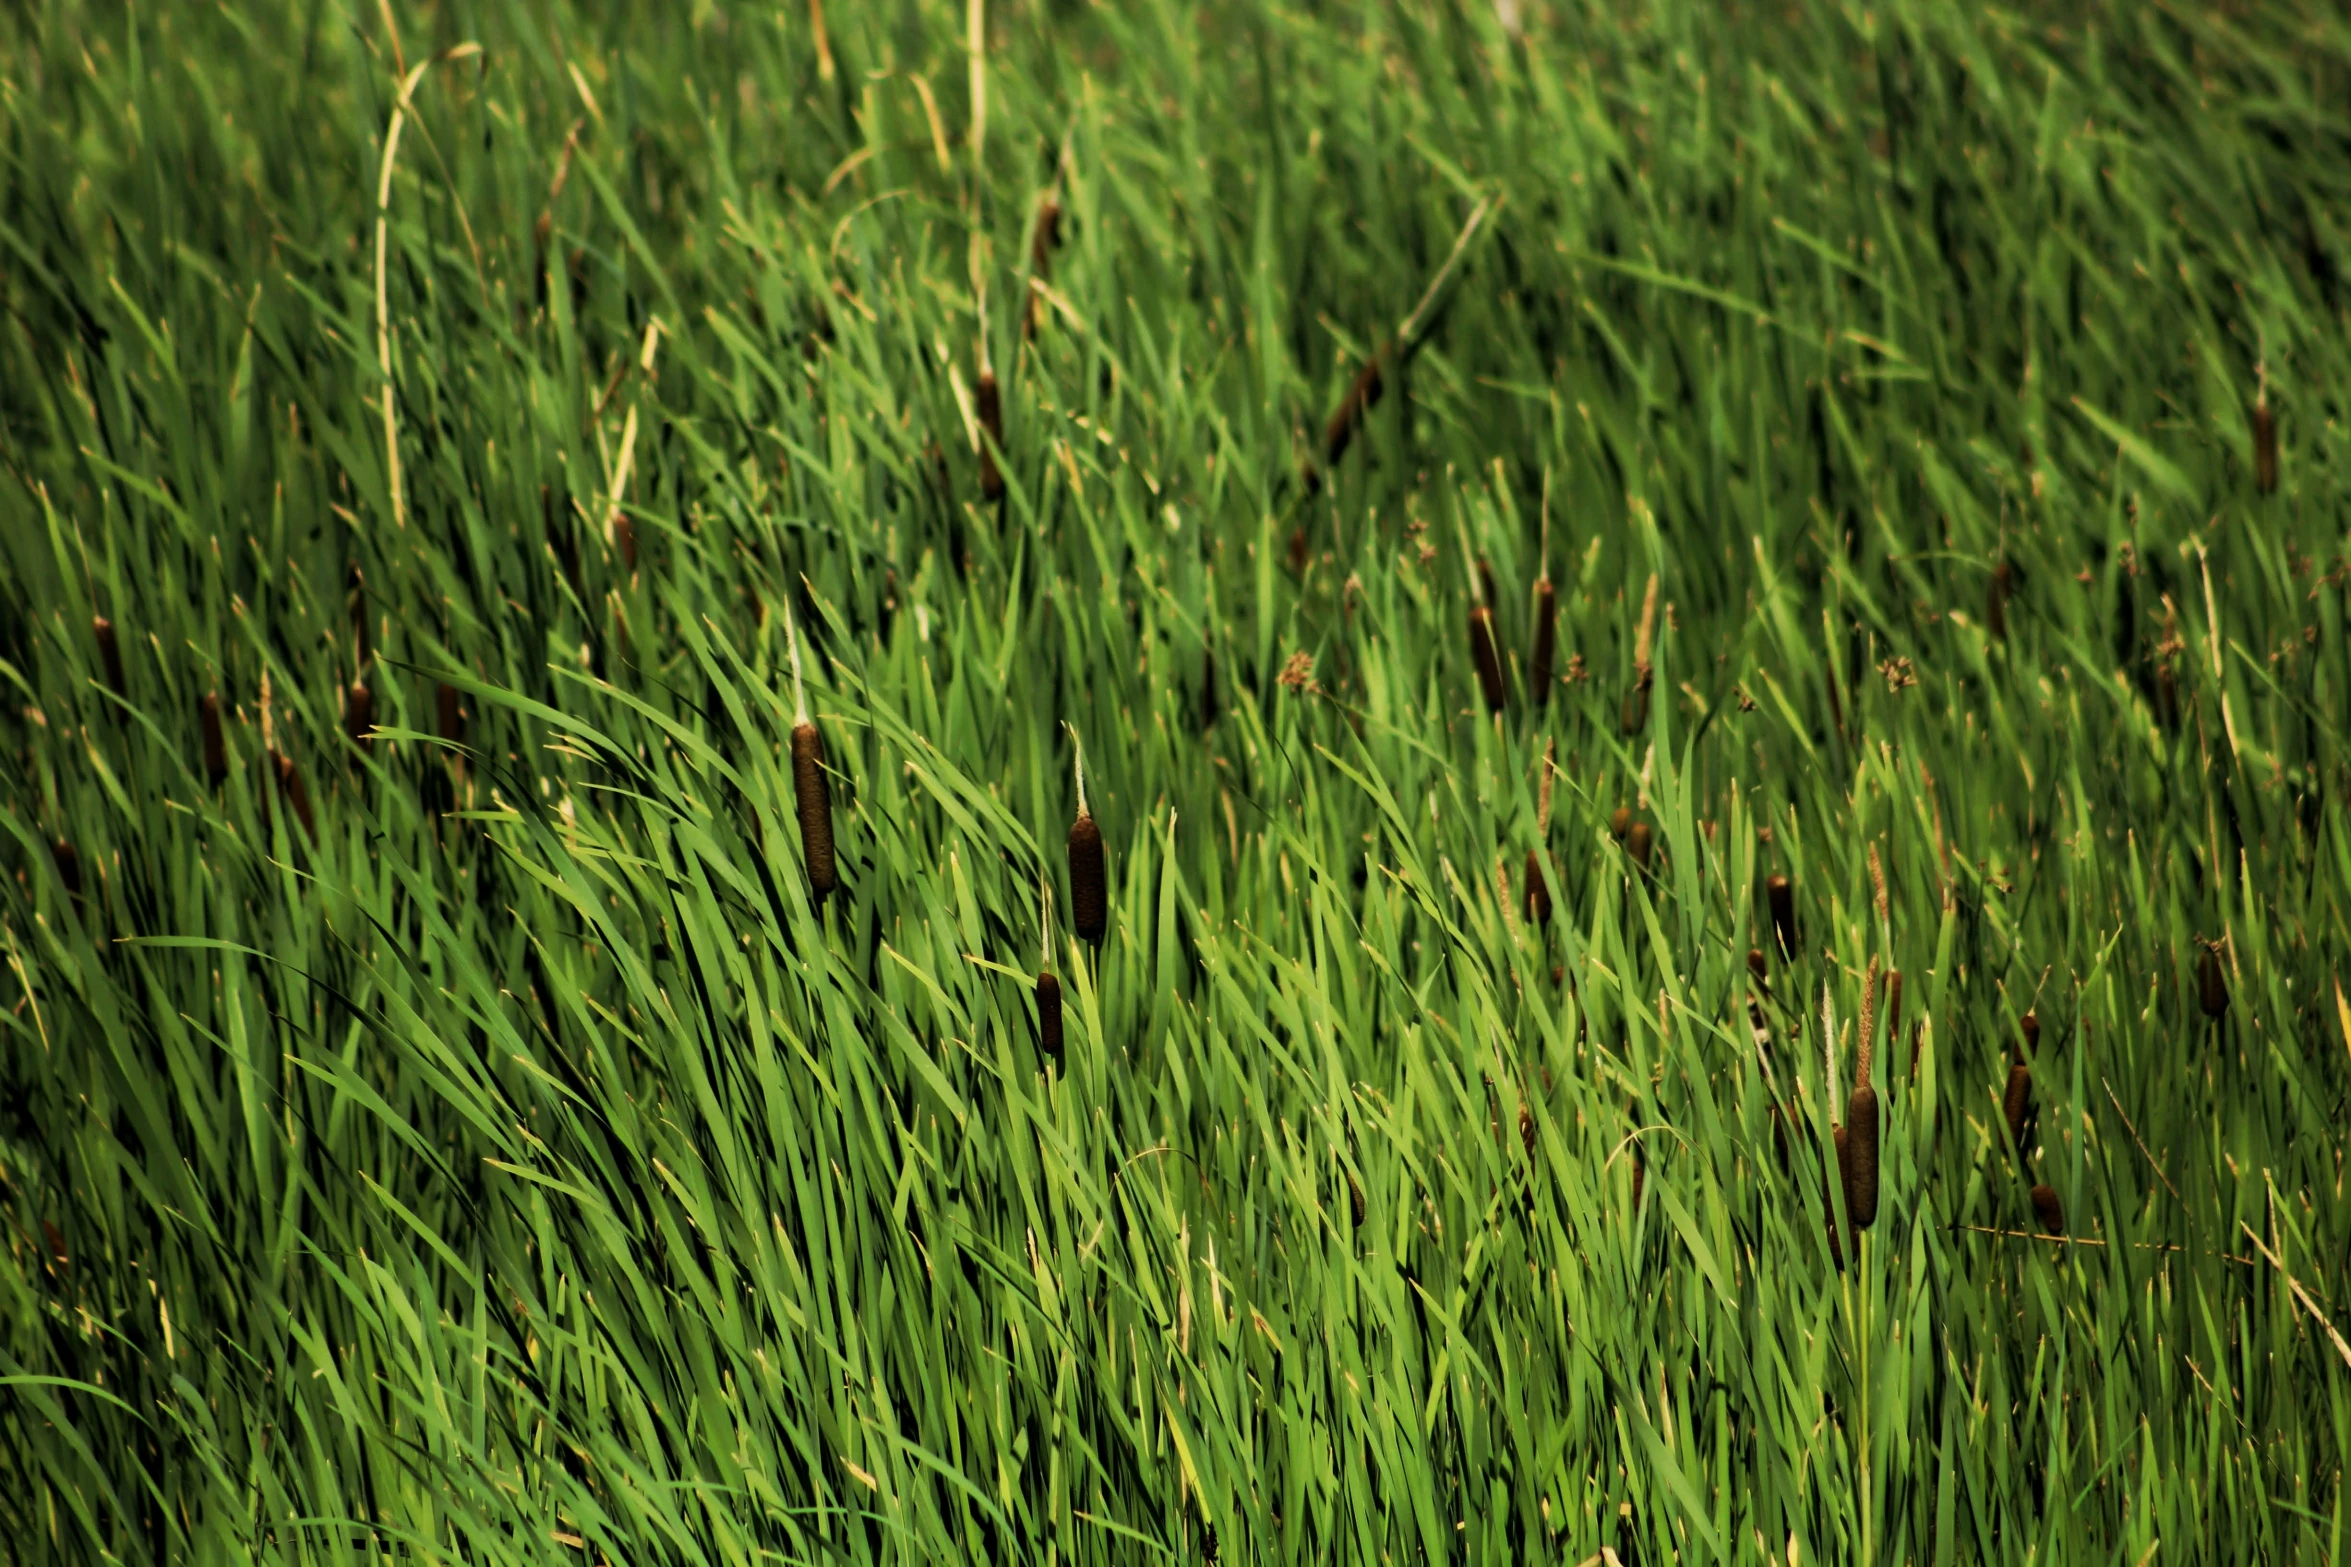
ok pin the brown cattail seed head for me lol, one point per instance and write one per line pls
(2048, 1211)
(2016, 1105)
(1758, 969)
(1782, 898)
(624, 539)
(451, 716)
(1620, 822)
(1089, 898)
(69, 867)
(1636, 843)
(292, 791)
(216, 745)
(1996, 603)
(2029, 1028)
(1546, 643)
(1526, 1128)
(1861, 1158)
(2212, 984)
(991, 415)
(813, 797)
(109, 652)
(1538, 909)
(1355, 1198)
(359, 712)
(2265, 447)
(1486, 656)
(1049, 1017)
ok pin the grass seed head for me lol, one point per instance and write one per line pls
(1539, 675)
(1782, 898)
(814, 800)
(109, 652)
(2265, 447)
(216, 745)
(1486, 656)
(2016, 1104)
(991, 417)
(2212, 984)
(1089, 898)
(1049, 1017)
(1861, 1157)
(2048, 1211)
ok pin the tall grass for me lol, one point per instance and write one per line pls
(498, 1155)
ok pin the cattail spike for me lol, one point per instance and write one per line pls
(1636, 842)
(1089, 902)
(991, 420)
(1486, 656)
(359, 712)
(109, 652)
(2048, 1210)
(1782, 898)
(216, 746)
(2212, 985)
(813, 798)
(1546, 643)
(2016, 1105)
(1049, 1017)
(1861, 1163)
(2265, 446)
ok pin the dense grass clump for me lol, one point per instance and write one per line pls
(554, 564)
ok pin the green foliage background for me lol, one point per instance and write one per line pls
(512, 1163)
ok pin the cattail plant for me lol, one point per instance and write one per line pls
(2048, 1211)
(1620, 822)
(2265, 444)
(1861, 1121)
(2212, 985)
(1089, 897)
(2028, 1028)
(216, 745)
(1996, 600)
(109, 652)
(1635, 716)
(810, 794)
(1782, 897)
(991, 416)
(1759, 969)
(2016, 1105)
(1048, 988)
